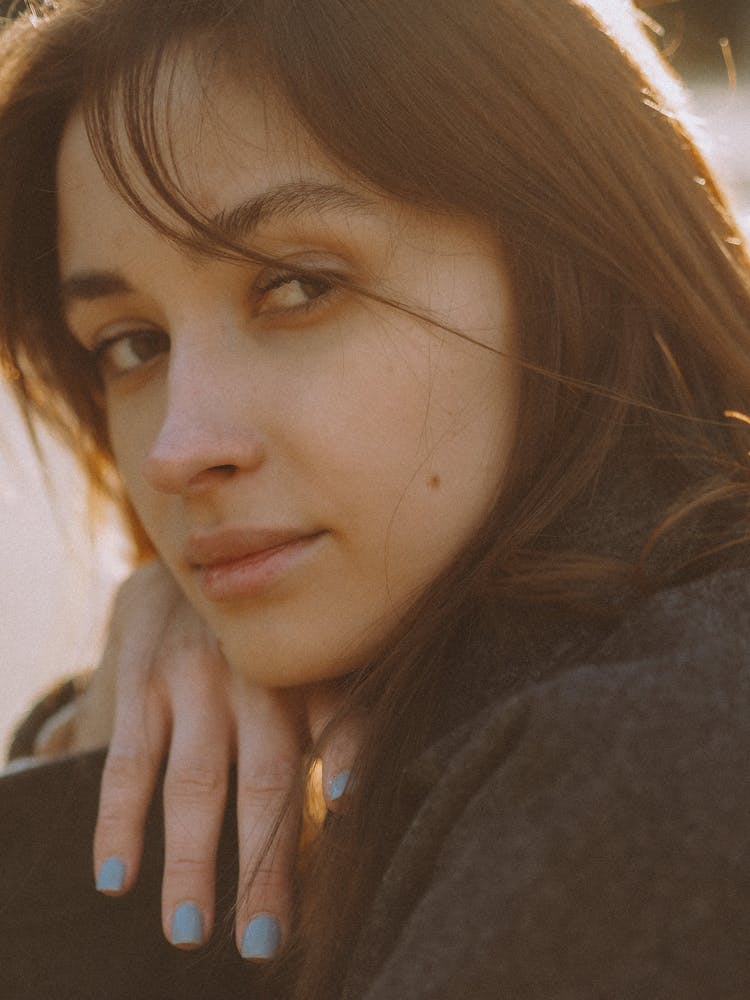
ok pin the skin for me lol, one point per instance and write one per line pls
(319, 411)
(247, 397)
(176, 693)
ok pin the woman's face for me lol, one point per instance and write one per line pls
(305, 459)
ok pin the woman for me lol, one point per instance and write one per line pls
(418, 337)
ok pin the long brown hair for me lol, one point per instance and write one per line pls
(630, 280)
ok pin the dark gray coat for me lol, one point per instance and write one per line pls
(588, 837)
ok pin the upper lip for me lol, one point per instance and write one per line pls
(215, 548)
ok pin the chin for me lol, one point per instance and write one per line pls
(284, 663)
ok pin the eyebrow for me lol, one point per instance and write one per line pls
(281, 202)
(90, 285)
(287, 201)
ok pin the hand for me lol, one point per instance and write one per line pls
(174, 691)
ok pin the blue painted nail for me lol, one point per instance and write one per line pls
(187, 925)
(338, 785)
(262, 938)
(111, 875)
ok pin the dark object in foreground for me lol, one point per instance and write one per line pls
(60, 939)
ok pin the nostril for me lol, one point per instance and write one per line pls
(210, 476)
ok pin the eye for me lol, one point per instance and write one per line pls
(128, 351)
(290, 292)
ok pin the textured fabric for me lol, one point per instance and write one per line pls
(50, 709)
(586, 837)
(61, 940)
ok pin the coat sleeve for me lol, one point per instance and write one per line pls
(60, 939)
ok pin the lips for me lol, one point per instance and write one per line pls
(235, 564)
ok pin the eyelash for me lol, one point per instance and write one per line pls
(103, 352)
(322, 283)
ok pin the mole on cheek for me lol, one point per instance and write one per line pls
(434, 482)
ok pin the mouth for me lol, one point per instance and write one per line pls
(235, 565)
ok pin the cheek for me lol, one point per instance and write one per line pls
(456, 483)
(421, 460)
(465, 437)
(131, 433)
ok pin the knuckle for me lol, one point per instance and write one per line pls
(278, 772)
(183, 868)
(270, 781)
(111, 819)
(201, 653)
(264, 885)
(264, 801)
(125, 771)
(191, 780)
(267, 881)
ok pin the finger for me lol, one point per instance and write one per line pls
(268, 816)
(195, 791)
(139, 741)
(340, 744)
(140, 728)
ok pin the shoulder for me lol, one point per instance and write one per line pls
(590, 836)
(709, 614)
(670, 683)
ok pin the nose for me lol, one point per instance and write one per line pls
(206, 436)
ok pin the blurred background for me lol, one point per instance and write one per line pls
(59, 570)
(692, 33)
(708, 44)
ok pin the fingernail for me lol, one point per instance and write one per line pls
(111, 875)
(338, 785)
(187, 925)
(262, 938)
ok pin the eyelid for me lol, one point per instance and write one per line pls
(104, 352)
(84, 324)
(110, 332)
(308, 265)
(330, 275)
(275, 277)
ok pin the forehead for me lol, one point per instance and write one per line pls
(218, 139)
(239, 157)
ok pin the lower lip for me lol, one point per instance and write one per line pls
(251, 575)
